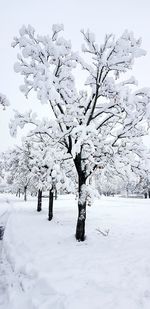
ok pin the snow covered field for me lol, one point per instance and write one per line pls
(43, 267)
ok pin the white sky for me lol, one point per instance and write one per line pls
(100, 16)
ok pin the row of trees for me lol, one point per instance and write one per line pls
(39, 169)
(34, 167)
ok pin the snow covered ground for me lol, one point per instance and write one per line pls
(43, 267)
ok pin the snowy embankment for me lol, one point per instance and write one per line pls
(4, 205)
(47, 269)
(4, 214)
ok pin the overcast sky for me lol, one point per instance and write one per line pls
(101, 17)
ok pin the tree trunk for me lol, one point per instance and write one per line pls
(19, 193)
(39, 203)
(145, 194)
(148, 193)
(25, 193)
(50, 209)
(80, 228)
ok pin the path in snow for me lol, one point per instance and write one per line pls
(10, 285)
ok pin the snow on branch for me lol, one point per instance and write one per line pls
(45, 126)
(3, 100)
(115, 55)
(20, 120)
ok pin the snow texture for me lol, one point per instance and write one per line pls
(43, 267)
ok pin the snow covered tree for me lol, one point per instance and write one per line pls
(45, 171)
(143, 185)
(18, 166)
(90, 123)
(49, 171)
(123, 171)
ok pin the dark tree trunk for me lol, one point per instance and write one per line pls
(145, 194)
(80, 228)
(149, 193)
(2, 228)
(25, 193)
(50, 208)
(39, 203)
